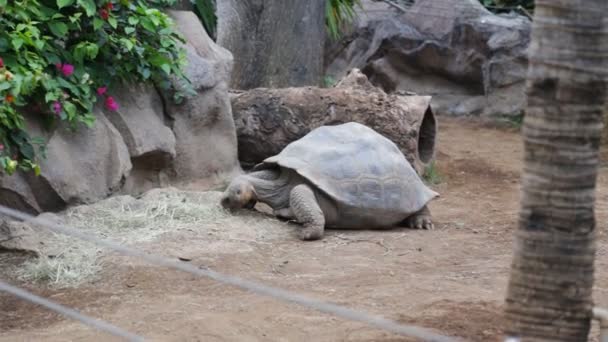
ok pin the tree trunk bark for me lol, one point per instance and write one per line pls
(550, 288)
(267, 120)
(275, 43)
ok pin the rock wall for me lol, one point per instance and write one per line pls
(471, 61)
(149, 142)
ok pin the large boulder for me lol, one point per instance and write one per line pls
(16, 193)
(206, 143)
(82, 166)
(17, 236)
(472, 61)
(30, 237)
(140, 120)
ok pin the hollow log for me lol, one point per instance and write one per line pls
(269, 119)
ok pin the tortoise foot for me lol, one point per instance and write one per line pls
(420, 220)
(310, 233)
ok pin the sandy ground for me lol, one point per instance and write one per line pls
(452, 279)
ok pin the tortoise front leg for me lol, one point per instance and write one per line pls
(305, 208)
(284, 213)
(420, 220)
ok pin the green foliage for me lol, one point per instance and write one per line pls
(431, 174)
(205, 10)
(329, 81)
(59, 57)
(337, 14)
(512, 121)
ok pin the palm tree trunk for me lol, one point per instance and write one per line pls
(550, 288)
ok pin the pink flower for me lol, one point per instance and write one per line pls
(1, 63)
(101, 90)
(57, 107)
(111, 104)
(67, 69)
(1, 147)
(104, 14)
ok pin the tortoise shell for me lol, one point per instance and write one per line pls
(357, 167)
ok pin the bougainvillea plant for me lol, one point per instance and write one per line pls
(60, 57)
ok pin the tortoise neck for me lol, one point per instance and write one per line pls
(271, 187)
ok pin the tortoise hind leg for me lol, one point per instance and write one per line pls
(420, 220)
(307, 212)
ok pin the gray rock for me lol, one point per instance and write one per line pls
(218, 62)
(151, 144)
(472, 61)
(16, 193)
(19, 237)
(29, 236)
(140, 121)
(206, 144)
(82, 166)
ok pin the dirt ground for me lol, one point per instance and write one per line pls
(451, 279)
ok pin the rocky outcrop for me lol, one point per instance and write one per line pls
(471, 61)
(81, 166)
(28, 236)
(148, 142)
(18, 237)
(203, 125)
(151, 144)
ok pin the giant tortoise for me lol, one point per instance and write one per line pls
(342, 176)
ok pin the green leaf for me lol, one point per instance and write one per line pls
(92, 50)
(27, 150)
(2, 3)
(17, 43)
(89, 6)
(87, 119)
(64, 3)
(70, 110)
(3, 44)
(37, 170)
(147, 24)
(165, 42)
(129, 29)
(11, 166)
(133, 21)
(158, 60)
(97, 23)
(127, 43)
(112, 21)
(58, 28)
(74, 18)
(48, 97)
(166, 68)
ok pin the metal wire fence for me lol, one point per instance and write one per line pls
(255, 287)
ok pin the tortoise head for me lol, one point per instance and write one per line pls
(239, 194)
